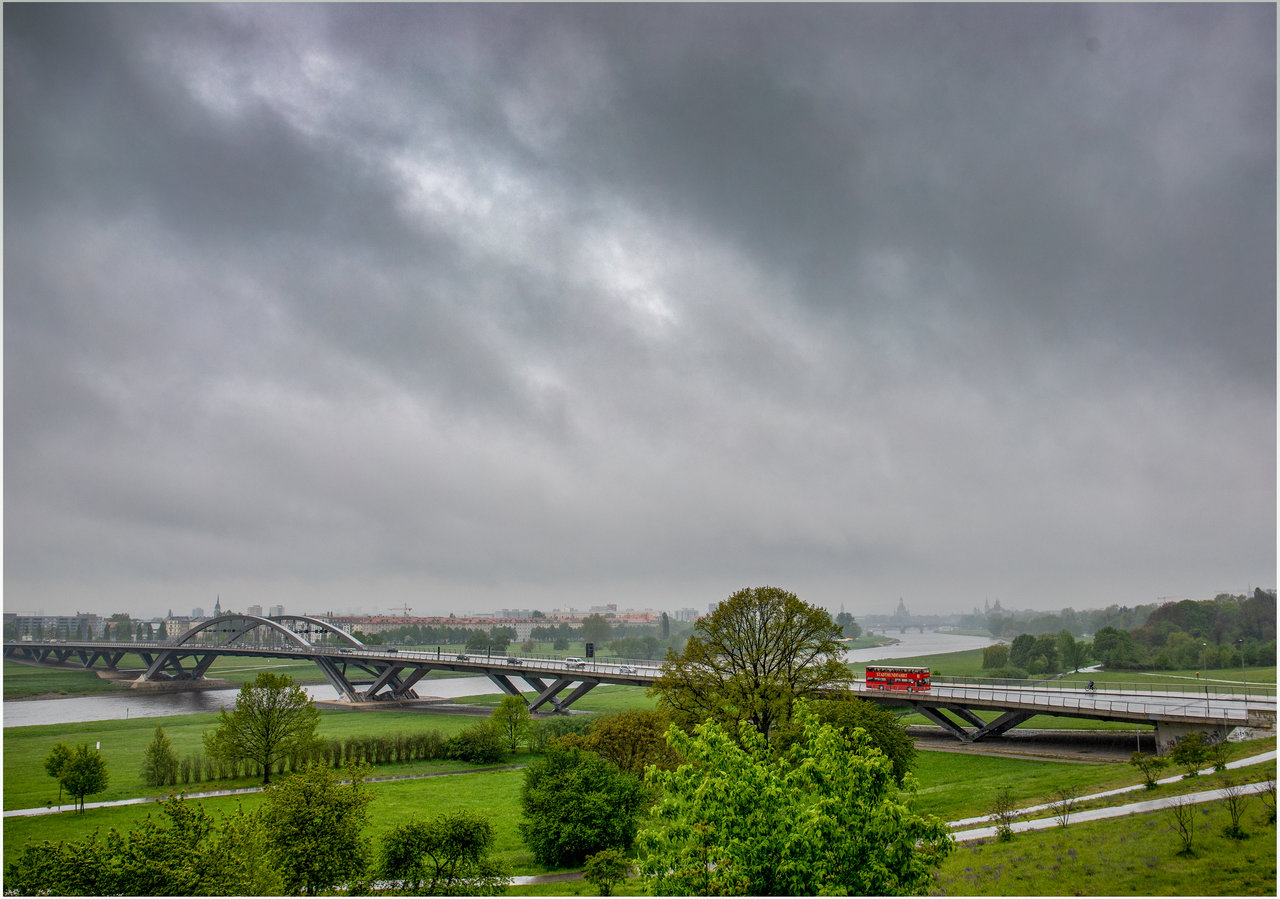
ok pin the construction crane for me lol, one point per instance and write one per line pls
(403, 610)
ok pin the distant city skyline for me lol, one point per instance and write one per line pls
(475, 306)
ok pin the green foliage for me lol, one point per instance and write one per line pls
(446, 856)
(512, 719)
(1116, 649)
(81, 773)
(750, 660)
(1190, 754)
(159, 764)
(1150, 766)
(182, 853)
(55, 762)
(1003, 812)
(313, 825)
(484, 743)
(606, 869)
(631, 739)
(273, 719)
(995, 656)
(849, 628)
(576, 804)
(825, 817)
(542, 732)
(885, 732)
(596, 629)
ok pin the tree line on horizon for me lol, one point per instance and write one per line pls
(1226, 631)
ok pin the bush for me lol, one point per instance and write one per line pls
(1191, 753)
(576, 804)
(541, 733)
(481, 744)
(1150, 766)
(1008, 673)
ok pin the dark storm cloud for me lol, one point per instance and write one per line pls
(358, 303)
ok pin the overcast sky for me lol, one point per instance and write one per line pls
(476, 307)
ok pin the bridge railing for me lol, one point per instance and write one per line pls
(541, 659)
(1226, 709)
(1185, 688)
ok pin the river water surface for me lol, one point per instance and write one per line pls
(153, 705)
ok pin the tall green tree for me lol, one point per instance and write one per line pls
(574, 804)
(596, 628)
(445, 856)
(848, 627)
(825, 818)
(995, 656)
(55, 761)
(84, 773)
(513, 720)
(750, 660)
(273, 719)
(159, 763)
(314, 823)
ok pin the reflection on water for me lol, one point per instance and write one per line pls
(153, 705)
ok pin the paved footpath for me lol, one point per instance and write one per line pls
(1118, 811)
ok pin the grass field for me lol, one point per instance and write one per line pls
(122, 743)
(1133, 856)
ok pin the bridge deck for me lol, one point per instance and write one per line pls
(363, 673)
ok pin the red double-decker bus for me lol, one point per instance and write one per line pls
(914, 680)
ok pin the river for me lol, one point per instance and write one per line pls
(154, 705)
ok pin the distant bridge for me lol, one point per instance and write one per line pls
(368, 673)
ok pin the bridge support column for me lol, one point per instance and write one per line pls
(548, 694)
(337, 680)
(1005, 722)
(505, 685)
(936, 716)
(1168, 734)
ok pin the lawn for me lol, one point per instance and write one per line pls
(494, 794)
(22, 681)
(1132, 856)
(122, 743)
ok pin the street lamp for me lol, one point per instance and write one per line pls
(1243, 680)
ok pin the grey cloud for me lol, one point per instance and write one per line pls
(479, 301)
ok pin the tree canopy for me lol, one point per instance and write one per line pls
(81, 771)
(273, 719)
(750, 659)
(183, 852)
(883, 730)
(576, 804)
(631, 739)
(313, 824)
(445, 856)
(824, 818)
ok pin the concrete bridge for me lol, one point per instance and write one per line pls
(369, 673)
